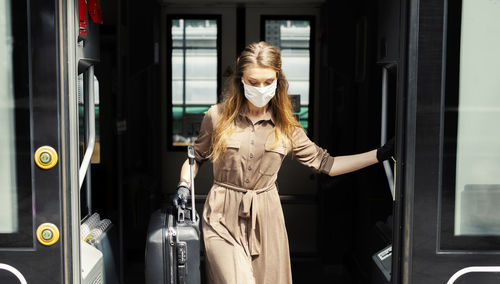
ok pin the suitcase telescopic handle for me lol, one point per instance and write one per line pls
(191, 164)
(191, 155)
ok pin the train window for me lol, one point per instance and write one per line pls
(293, 38)
(16, 203)
(194, 56)
(471, 155)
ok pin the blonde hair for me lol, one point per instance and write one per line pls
(263, 55)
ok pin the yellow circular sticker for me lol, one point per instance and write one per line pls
(47, 234)
(46, 157)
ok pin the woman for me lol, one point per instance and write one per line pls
(247, 137)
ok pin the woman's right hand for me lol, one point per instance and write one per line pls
(181, 197)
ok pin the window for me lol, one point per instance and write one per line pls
(471, 152)
(193, 56)
(293, 38)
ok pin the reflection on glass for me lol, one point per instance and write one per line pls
(8, 186)
(194, 75)
(477, 210)
(292, 37)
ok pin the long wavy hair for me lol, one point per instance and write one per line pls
(263, 55)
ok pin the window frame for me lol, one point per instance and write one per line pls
(169, 18)
(312, 57)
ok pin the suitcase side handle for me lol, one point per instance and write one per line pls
(180, 215)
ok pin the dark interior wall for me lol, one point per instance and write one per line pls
(105, 188)
(104, 174)
(374, 202)
(337, 121)
(126, 182)
(141, 160)
(353, 203)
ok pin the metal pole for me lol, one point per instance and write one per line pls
(191, 164)
(183, 67)
(383, 134)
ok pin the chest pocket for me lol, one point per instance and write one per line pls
(232, 159)
(272, 158)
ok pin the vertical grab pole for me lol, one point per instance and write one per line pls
(383, 134)
(191, 164)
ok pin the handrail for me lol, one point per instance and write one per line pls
(14, 271)
(472, 269)
(383, 134)
(90, 117)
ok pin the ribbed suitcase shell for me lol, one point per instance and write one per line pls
(172, 249)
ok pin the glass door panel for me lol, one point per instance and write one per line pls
(15, 172)
(8, 184)
(478, 135)
(471, 163)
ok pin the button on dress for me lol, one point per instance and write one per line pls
(243, 225)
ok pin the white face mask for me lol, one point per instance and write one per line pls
(259, 97)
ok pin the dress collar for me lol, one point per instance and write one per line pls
(268, 116)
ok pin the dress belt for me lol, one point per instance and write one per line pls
(249, 208)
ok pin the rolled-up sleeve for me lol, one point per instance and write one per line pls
(309, 154)
(202, 144)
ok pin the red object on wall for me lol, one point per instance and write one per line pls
(82, 13)
(95, 11)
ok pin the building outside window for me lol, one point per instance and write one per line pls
(194, 77)
(293, 38)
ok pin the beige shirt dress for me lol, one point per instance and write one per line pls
(243, 225)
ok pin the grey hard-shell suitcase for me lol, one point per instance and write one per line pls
(173, 244)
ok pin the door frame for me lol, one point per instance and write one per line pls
(46, 85)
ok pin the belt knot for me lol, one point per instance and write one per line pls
(247, 204)
(249, 208)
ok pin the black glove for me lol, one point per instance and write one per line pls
(386, 151)
(181, 197)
